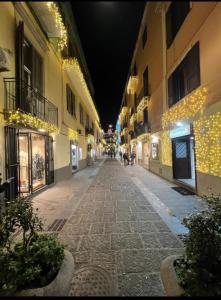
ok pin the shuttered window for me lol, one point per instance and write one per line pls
(175, 17)
(81, 114)
(186, 77)
(70, 101)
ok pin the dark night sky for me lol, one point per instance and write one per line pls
(108, 33)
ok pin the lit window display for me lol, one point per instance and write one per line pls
(38, 160)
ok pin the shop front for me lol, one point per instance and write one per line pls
(183, 155)
(74, 156)
(29, 159)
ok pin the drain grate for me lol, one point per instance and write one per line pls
(182, 191)
(57, 225)
(91, 281)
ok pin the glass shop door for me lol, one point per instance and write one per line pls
(24, 163)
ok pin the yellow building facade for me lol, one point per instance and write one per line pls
(172, 94)
(50, 127)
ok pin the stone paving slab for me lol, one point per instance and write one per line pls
(115, 228)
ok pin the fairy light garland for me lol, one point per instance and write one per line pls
(74, 63)
(72, 134)
(166, 149)
(59, 24)
(28, 120)
(185, 108)
(207, 132)
(144, 137)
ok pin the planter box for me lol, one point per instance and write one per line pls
(169, 277)
(60, 286)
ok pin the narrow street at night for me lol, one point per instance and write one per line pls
(115, 232)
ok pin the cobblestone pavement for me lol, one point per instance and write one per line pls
(117, 239)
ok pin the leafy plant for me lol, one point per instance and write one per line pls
(35, 259)
(199, 270)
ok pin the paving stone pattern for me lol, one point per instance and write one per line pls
(117, 239)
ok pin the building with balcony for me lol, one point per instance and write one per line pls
(46, 96)
(177, 95)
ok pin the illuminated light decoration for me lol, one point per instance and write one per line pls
(133, 142)
(185, 108)
(144, 137)
(123, 113)
(62, 42)
(132, 84)
(72, 134)
(2, 121)
(143, 104)
(166, 148)
(133, 119)
(90, 139)
(28, 120)
(207, 131)
(73, 62)
(155, 139)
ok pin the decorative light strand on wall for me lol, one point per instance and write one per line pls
(28, 120)
(207, 132)
(185, 108)
(59, 24)
(72, 134)
(166, 149)
(75, 64)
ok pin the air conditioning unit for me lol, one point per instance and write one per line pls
(5, 55)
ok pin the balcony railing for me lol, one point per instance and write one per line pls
(143, 94)
(141, 128)
(20, 95)
(89, 131)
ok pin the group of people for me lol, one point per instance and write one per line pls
(127, 159)
(110, 153)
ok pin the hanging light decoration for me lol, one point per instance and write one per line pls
(72, 134)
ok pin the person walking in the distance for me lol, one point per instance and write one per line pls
(126, 159)
(121, 154)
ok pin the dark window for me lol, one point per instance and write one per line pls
(81, 114)
(144, 37)
(175, 17)
(145, 82)
(87, 121)
(186, 77)
(70, 101)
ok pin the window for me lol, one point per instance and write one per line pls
(81, 114)
(87, 121)
(145, 82)
(144, 37)
(186, 77)
(135, 69)
(175, 17)
(70, 101)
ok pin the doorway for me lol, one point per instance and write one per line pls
(74, 157)
(184, 160)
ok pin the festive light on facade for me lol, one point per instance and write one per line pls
(133, 142)
(90, 139)
(166, 149)
(28, 120)
(207, 131)
(185, 108)
(2, 121)
(144, 137)
(72, 134)
(73, 62)
(59, 24)
(132, 84)
(132, 119)
(143, 104)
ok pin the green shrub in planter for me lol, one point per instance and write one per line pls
(199, 270)
(35, 259)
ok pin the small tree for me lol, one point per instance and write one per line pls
(36, 258)
(199, 269)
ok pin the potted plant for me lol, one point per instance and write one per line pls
(34, 263)
(198, 271)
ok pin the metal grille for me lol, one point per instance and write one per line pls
(57, 225)
(181, 150)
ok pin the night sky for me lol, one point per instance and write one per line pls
(108, 33)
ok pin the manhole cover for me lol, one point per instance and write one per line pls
(91, 281)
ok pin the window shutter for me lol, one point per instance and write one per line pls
(193, 68)
(170, 91)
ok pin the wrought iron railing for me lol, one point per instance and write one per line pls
(89, 131)
(20, 95)
(141, 128)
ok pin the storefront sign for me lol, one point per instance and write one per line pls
(180, 131)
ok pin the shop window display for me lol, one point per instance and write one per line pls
(38, 161)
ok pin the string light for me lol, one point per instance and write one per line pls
(185, 108)
(166, 149)
(144, 137)
(28, 120)
(90, 139)
(59, 24)
(132, 84)
(143, 104)
(207, 132)
(72, 134)
(132, 119)
(73, 62)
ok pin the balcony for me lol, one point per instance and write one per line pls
(142, 100)
(141, 128)
(19, 95)
(132, 84)
(132, 119)
(89, 131)
(125, 125)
